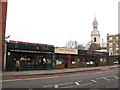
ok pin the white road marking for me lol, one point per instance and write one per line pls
(66, 83)
(77, 83)
(48, 85)
(105, 78)
(115, 77)
(59, 84)
(94, 81)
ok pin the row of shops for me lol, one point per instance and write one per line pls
(42, 56)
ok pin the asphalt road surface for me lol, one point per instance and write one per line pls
(102, 79)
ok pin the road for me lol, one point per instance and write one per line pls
(98, 79)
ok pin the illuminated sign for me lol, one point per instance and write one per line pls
(66, 51)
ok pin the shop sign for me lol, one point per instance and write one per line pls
(66, 51)
(89, 52)
(98, 53)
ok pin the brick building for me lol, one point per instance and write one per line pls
(113, 46)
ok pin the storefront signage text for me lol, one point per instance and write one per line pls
(66, 51)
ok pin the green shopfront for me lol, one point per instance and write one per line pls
(31, 56)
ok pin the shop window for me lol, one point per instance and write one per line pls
(78, 60)
(83, 59)
(58, 62)
(91, 62)
(24, 62)
(44, 60)
(88, 62)
(115, 62)
(73, 61)
(35, 61)
(101, 59)
(48, 61)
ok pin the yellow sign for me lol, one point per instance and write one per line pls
(66, 51)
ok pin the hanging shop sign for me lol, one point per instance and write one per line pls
(66, 51)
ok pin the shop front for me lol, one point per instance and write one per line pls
(31, 56)
(114, 59)
(92, 58)
(65, 58)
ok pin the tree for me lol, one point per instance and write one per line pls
(74, 45)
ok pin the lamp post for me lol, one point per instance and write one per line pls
(3, 14)
(3, 38)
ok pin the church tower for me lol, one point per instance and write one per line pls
(95, 34)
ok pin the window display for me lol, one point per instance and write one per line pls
(34, 61)
(59, 62)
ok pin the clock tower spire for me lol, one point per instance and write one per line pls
(95, 34)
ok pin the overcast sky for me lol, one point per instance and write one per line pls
(58, 21)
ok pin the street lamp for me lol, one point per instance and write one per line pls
(2, 38)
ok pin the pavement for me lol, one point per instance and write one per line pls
(55, 71)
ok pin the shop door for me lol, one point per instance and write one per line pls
(49, 60)
(66, 63)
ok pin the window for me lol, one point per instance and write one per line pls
(58, 62)
(119, 37)
(88, 62)
(110, 51)
(73, 62)
(95, 39)
(116, 37)
(117, 43)
(91, 62)
(110, 44)
(117, 51)
(110, 38)
(101, 59)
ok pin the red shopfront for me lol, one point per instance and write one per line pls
(65, 58)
